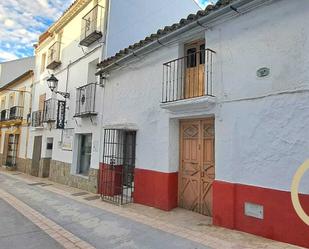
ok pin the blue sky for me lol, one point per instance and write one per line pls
(22, 21)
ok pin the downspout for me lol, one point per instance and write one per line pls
(30, 111)
(66, 90)
(103, 56)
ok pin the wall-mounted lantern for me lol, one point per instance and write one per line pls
(52, 83)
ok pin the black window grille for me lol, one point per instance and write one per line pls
(117, 172)
(50, 110)
(16, 112)
(36, 119)
(12, 150)
(92, 24)
(85, 100)
(53, 58)
(5, 115)
(190, 76)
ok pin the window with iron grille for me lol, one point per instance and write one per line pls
(16, 112)
(50, 110)
(92, 24)
(85, 100)
(36, 119)
(5, 114)
(117, 171)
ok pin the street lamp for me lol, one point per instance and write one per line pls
(52, 83)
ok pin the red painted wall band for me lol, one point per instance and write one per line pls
(156, 189)
(280, 219)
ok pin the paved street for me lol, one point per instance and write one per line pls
(36, 213)
(16, 231)
(100, 229)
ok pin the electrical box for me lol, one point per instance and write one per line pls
(254, 210)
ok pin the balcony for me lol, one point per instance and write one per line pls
(92, 24)
(188, 82)
(53, 59)
(85, 101)
(4, 115)
(36, 119)
(16, 113)
(50, 110)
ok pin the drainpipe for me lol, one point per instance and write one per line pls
(103, 56)
(30, 110)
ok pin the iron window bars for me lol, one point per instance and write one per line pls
(92, 24)
(36, 119)
(116, 183)
(50, 110)
(12, 150)
(53, 58)
(85, 100)
(189, 76)
(16, 112)
(5, 114)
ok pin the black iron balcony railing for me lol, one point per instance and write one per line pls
(85, 100)
(50, 110)
(53, 58)
(188, 77)
(92, 24)
(4, 115)
(36, 119)
(16, 112)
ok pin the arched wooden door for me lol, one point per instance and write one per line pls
(197, 165)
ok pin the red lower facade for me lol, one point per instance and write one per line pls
(156, 189)
(110, 179)
(280, 219)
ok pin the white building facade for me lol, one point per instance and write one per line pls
(65, 138)
(211, 115)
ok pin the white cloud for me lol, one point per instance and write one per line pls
(9, 23)
(22, 21)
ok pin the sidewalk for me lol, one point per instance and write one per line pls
(16, 231)
(132, 226)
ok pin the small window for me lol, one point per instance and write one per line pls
(191, 57)
(43, 61)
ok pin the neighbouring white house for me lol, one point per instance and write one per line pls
(211, 114)
(67, 107)
(16, 81)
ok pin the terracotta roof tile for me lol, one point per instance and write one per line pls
(166, 30)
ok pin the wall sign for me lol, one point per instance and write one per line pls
(263, 72)
(67, 139)
(61, 114)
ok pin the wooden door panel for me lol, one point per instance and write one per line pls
(194, 70)
(197, 168)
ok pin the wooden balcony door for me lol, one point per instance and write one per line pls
(194, 69)
(197, 165)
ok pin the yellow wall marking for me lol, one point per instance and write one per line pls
(294, 192)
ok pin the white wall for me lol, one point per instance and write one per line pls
(261, 140)
(132, 100)
(72, 73)
(132, 20)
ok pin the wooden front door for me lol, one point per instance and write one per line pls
(195, 69)
(36, 155)
(197, 165)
